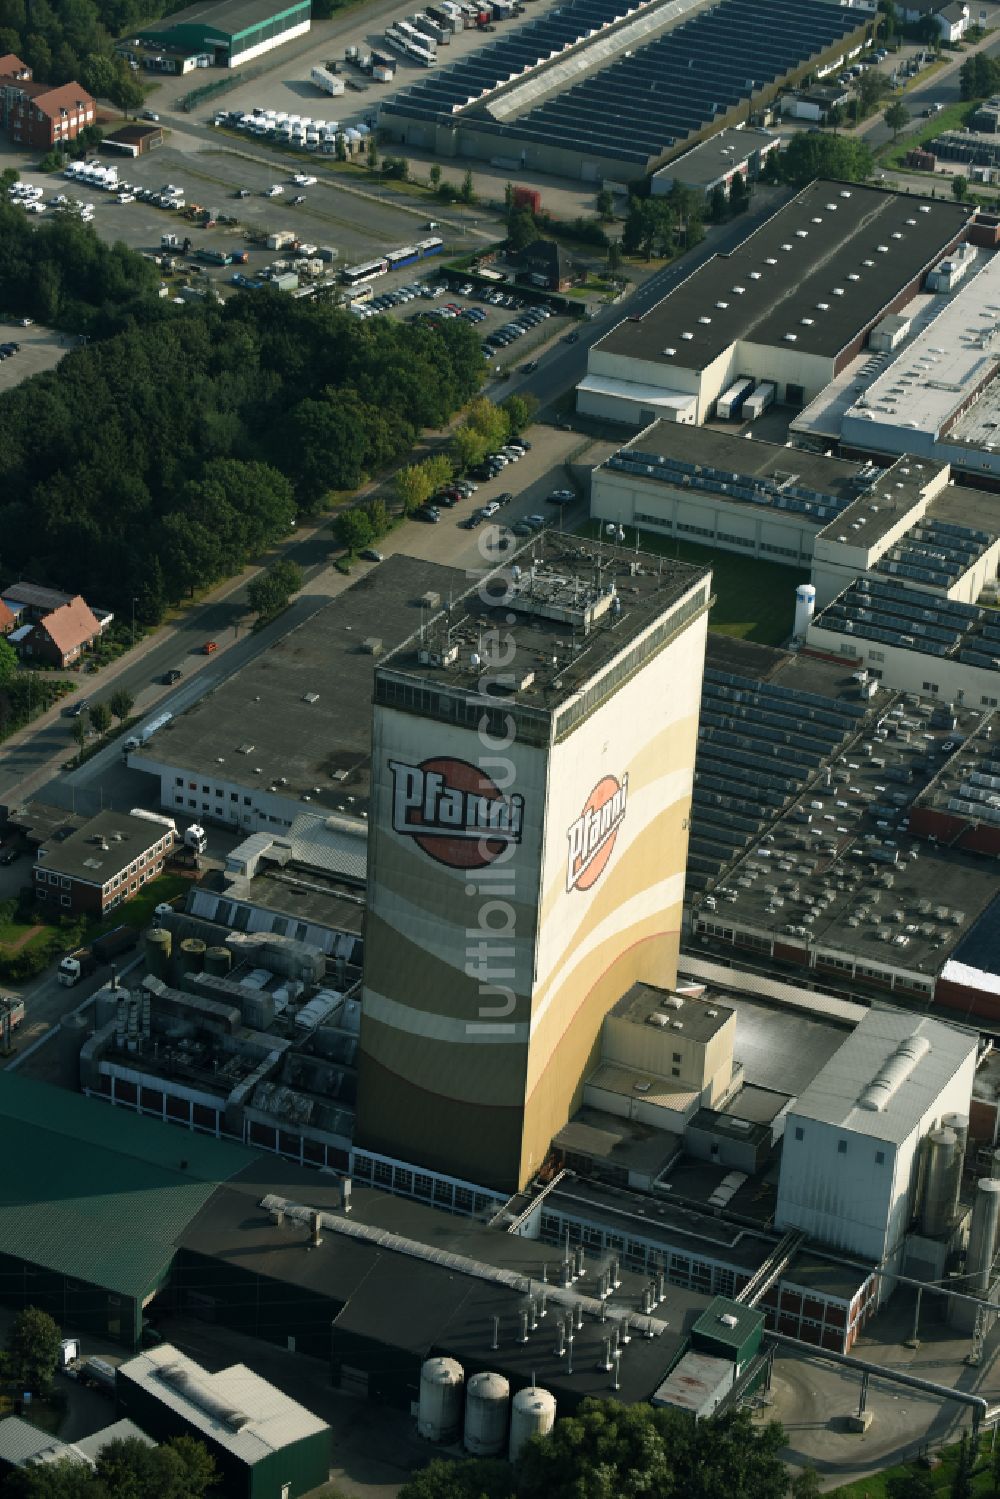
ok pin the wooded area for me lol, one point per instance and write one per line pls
(60, 39)
(164, 456)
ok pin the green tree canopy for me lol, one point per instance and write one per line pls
(8, 662)
(33, 1348)
(353, 528)
(811, 154)
(522, 230)
(100, 718)
(121, 702)
(897, 117)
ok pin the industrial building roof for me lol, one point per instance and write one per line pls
(939, 371)
(702, 1019)
(818, 273)
(86, 1198)
(298, 717)
(238, 1410)
(808, 486)
(887, 1074)
(908, 618)
(712, 160)
(102, 846)
(948, 534)
(743, 1323)
(561, 590)
(228, 17)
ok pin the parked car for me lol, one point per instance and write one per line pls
(171, 676)
(561, 497)
(370, 554)
(80, 707)
(209, 647)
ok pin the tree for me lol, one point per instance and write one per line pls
(372, 153)
(520, 411)
(474, 1478)
(269, 592)
(80, 732)
(871, 87)
(353, 529)
(100, 718)
(121, 702)
(965, 1467)
(614, 256)
(960, 188)
(8, 662)
(468, 447)
(34, 1347)
(834, 117)
(739, 194)
(606, 205)
(719, 206)
(489, 420)
(811, 154)
(467, 191)
(897, 116)
(805, 1485)
(523, 231)
(413, 487)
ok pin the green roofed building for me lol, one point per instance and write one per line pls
(93, 1203)
(231, 32)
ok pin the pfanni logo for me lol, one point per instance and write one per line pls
(454, 812)
(592, 836)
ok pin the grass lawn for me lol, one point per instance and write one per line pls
(753, 600)
(952, 117)
(138, 911)
(874, 1487)
(12, 934)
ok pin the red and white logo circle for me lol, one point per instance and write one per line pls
(454, 811)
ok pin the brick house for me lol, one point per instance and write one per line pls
(101, 864)
(38, 115)
(60, 636)
(545, 264)
(8, 619)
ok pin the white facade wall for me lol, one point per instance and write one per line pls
(732, 525)
(194, 793)
(847, 1197)
(911, 671)
(269, 46)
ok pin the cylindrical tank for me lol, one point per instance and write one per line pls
(439, 1413)
(218, 961)
(939, 1182)
(159, 945)
(982, 1237)
(959, 1123)
(805, 608)
(190, 957)
(532, 1414)
(486, 1399)
(995, 1163)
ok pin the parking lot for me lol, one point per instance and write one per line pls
(38, 349)
(357, 227)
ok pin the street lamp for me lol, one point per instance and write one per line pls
(133, 623)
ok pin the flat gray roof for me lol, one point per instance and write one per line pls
(259, 726)
(836, 256)
(101, 847)
(705, 163)
(701, 1018)
(566, 589)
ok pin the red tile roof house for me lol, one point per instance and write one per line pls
(38, 115)
(61, 637)
(7, 619)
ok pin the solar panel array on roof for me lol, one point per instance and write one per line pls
(759, 744)
(916, 621)
(935, 552)
(780, 494)
(649, 100)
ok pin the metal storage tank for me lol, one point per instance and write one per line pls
(190, 957)
(939, 1182)
(486, 1399)
(995, 1163)
(805, 608)
(159, 945)
(983, 1236)
(439, 1412)
(960, 1124)
(532, 1414)
(218, 961)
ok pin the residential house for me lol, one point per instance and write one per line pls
(60, 637)
(546, 265)
(97, 866)
(36, 114)
(8, 619)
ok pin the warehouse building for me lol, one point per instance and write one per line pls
(230, 32)
(837, 520)
(90, 1212)
(793, 305)
(850, 1165)
(716, 162)
(609, 90)
(265, 1445)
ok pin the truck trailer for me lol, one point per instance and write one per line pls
(78, 964)
(327, 82)
(755, 405)
(136, 741)
(730, 403)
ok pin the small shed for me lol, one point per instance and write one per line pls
(728, 1330)
(133, 139)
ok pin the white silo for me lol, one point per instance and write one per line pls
(939, 1183)
(805, 608)
(532, 1414)
(486, 1399)
(439, 1412)
(983, 1237)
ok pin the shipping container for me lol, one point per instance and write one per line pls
(730, 403)
(756, 404)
